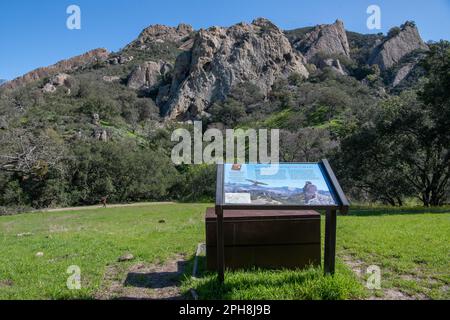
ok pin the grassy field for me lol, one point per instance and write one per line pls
(410, 246)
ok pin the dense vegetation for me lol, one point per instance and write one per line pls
(93, 138)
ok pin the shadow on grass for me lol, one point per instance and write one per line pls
(305, 284)
(155, 280)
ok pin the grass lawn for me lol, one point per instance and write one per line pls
(410, 246)
(90, 239)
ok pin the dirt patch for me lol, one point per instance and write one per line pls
(6, 283)
(359, 268)
(159, 281)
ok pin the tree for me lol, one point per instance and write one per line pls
(306, 145)
(402, 152)
(228, 112)
(30, 155)
(405, 149)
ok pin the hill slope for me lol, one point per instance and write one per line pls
(100, 123)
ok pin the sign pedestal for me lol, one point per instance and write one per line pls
(275, 239)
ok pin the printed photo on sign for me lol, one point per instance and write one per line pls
(290, 184)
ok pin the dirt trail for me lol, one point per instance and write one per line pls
(139, 204)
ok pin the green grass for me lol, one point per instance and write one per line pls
(91, 239)
(410, 246)
(308, 284)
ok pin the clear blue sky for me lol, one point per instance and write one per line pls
(33, 33)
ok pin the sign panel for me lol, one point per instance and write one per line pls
(302, 184)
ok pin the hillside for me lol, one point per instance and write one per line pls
(100, 123)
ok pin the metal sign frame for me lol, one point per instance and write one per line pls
(330, 217)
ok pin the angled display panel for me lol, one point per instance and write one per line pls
(284, 184)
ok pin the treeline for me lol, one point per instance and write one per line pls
(122, 171)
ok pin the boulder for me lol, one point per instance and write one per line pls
(100, 134)
(126, 257)
(120, 60)
(48, 88)
(96, 119)
(58, 80)
(110, 78)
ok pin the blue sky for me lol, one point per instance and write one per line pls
(34, 33)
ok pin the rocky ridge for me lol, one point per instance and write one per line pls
(203, 66)
(63, 66)
(181, 35)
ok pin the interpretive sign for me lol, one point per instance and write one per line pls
(286, 187)
(281, 184)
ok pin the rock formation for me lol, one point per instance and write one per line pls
(325, 38)
(110, 78)
(59, 80)
(402, 73)
(334, 64)
(395, 47)
(148, 74)
(224, 57)
(60, 67)
(180, 35)
(120, 60)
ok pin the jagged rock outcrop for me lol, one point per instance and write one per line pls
(181, 35)
(224, 57)
(148, 74)
(68, 65)
(96, 119)
(402, 73)
(390, 51)
(100, 134)
(59, 80)
(334, 64)
(48, 88)
(325, 38)
(120, 60)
